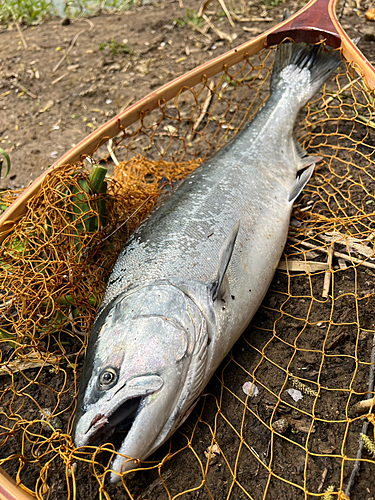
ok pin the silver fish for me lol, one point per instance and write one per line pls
(193, 274)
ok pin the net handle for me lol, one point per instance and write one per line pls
(311, 24)
(9, 490)
(317, 20)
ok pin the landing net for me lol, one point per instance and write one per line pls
(278, 420)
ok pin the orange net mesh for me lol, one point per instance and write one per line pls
(280, 419)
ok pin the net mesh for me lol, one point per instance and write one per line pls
(279, 419)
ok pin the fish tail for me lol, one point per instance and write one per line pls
(303, 68)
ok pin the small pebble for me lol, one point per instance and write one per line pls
(281, 426)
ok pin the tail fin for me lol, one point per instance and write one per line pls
(294, 59)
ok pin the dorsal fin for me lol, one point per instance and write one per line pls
(224, 259)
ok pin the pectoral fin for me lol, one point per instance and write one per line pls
(300, 183)
(224, 259)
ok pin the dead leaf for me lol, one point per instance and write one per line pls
(170, 129)
(356, 244)
(215, 453)
(302, 425)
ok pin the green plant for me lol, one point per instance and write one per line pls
(35, 11)
(9, 337)
(230, 81)
(191, 17)
(7, 159)
(118, 4)
(25, 11)
(116, 48)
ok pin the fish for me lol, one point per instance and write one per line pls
(192, 275)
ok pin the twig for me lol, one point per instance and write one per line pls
(20, 366)
(197, 28)
(203, 7)
(224, 7)
(364, 405)
(324, 475)
(301, 265)
(366, 121)
(67, 52)
(332, 97)
(21, 87)
(20, 33)
(205, 106)
(244, 7)
(127, 104)
(358, 245)
(327, 274)
(254, 31)
(365, 423)
(342, 10)
(111, 149)
(218, 32)
(59, 78)
(336, 254)
(72, 45)
(17, 25)
(252, 19)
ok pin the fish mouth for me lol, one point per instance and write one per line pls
(103, 427)
(118, 412)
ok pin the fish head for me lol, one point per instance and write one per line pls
(139, 371)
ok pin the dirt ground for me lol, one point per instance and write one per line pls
(44, 111)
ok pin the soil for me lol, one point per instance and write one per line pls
(44, 111)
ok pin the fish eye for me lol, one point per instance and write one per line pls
(107, 378)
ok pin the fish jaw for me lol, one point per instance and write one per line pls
(142, 438)
(95, 427)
